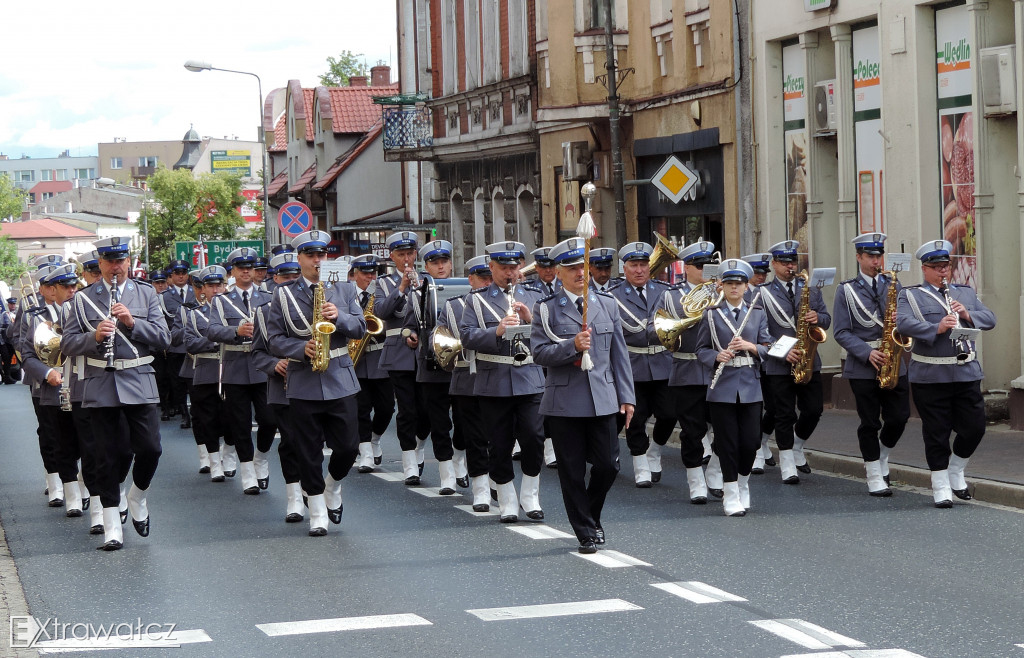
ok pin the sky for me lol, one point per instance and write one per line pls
(75, 73)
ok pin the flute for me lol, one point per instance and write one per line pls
(739, 331)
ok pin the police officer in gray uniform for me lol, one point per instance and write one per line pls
(322, 404)
(582, 405)
(508, 382)
(945, 376)
(859, 315)
(761, 264)
(244, 385)
(119, 380)
(781, 299)
(179, 293)
(601, 260)
(639, 297)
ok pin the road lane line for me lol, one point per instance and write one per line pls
(553, 610)
(114, 642)
(697, 592)
(612, 559)
(493, 511)
(859, 653)
(540, 532)
(390, 477)
(433, 492)
(806, 634)
(342, 624)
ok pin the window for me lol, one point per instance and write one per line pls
(597, 9)
(472, 26)
(46, 175)
(85, 173)
(116, 163)
(47, 195)
(61, 174)
(148, 161)
(24, 176)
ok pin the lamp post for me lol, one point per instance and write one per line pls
(197, 66)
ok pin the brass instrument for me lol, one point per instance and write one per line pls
(46, 342)
(520, 353)
(808, 336)
(110, 353)
(26, 298)
(528, 271)
(447, 347)
(963, 347)
(322, 330)
(892, 343)
(374, 327)
(669, 328)
(664, 253)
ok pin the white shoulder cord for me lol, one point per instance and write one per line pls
(301, 333)
(858, 311)
(781, 317)
(914, 307)
(545, 318)
(641, 325)
(103, 315)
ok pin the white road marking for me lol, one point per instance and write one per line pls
(390, 477)
(540, 532)
(697, 592)
(1021, 646)
(554, 610)
(860, 653)
(113, 642)
(805, 633)
(469, 508)
(612, 559)
(341, 624)
(433, 492)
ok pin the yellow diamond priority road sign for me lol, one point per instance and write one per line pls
(674, 179)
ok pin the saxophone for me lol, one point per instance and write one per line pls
(808, 335)
(374, 327)
(892, 343)
(322, 330)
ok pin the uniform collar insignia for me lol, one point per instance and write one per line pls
(563, 301)
(494, 292)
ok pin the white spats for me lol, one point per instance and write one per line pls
(247, 471)
(654, 457)
(539, 532)
(805, 634)
(481, 493)
(956, 472)
(549, 452)
(317, 515)
(876, 485)
(342, 624)
(72, 499)
(883, 458)
(713, 473)
(112, 525)
(641, 471)
(697, 592)
(508, 502)
(375, 445)
(611, 559)
(294, 493)
(553, 610)
(216, 466)
(446, 471)
(798, 451)
(230, 458)
(332, 492)
(261, 464)
(942, 494)
(706, 441)
(137, 506)
(787, 466)
(530, 494)
(420, 453)
(731, 500)
(459, 462)
(744, 483)
(204, 457)
(410, 465)
(364, 462)
(54, 489)
(698, 485)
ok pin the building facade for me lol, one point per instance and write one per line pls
(27, 172)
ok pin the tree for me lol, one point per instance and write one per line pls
(10, 267)
(343, 68)
(187, 208)
(12, 198)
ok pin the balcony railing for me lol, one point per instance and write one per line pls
(407, 127)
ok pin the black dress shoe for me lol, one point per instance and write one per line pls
(717, 493)
(944, 504)
(317, 532)
(229, 474)
(699, 500)
(705, 460)
(644, 484)
(263, 483)
(587, 547)
(757, 471)
(804, 468)
(886, 478)
(962, 494)
(516, 456)
(364, 469)
(446, 491)
(378, 460)
(85, 504)
(335, 514)
(481, 507)
(553, 464)
(792, 479)
(412, 481)
(217, 478)
(494, 495)
(96, 530)
(536, 515)
(111, 545)
(421, 468)
(204, 469)
(251, 491)
(56, 502)
(141, 527)
(124, 516)
(655, 476)
(770, 461)
(73, 513)
(294, 517)
(883, 493)
(510, 518)
(462, 482)
(600, 536)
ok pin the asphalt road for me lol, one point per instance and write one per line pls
(818, 569)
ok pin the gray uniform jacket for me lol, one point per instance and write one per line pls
(556, 285)
(687, 370)
(204, 353)
(462, 377)
(478, 332)
(178, 337)
(36, 370)
(288, 330)
(226, 314)
(391, 306)
(369, 363)
(135, 382)
(171, 303)
(740, 378)
(424, 351)
(781, 312)
(16, 336)
(570, 391)
(648, 358)
(267, 362)
(859, 315)
(918, 313)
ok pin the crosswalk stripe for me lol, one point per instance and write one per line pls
(469, 508)
(113, 642)
(433, 492)
(390, 477)
(540, 532)
(342, 624)
(697, 592)
(612, 559)
(554, 610)
(859, 653)
(806, 634)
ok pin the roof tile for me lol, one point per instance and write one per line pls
(43, 228)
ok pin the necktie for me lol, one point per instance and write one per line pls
(736, 314)
(789, 286)
(874, 286)
(579, 305)
(551, 288)
(245, 300)
(181, 293)
(364, 299)
(643, 297)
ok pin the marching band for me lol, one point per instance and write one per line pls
(559, 365)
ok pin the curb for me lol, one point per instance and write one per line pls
(12, 598)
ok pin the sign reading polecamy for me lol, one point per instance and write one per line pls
(231, 162)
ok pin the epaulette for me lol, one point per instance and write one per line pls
(918, 285)
(476, 291)
(548, 298)
(143, 282)
(531, 288)
(853, 280)
(961, 285)
(613, 284)
(605, 293)
(192, 305)
(287, 283)
(659, 282)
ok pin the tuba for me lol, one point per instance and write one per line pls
(322, 330)
(664, 253)
(670, 328)
(808, 336)
(892, 343)
(374, 327)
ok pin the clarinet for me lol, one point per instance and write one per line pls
(110, 356)
(963, 347)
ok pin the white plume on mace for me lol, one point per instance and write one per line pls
(586, 230)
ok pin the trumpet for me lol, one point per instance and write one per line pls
(412, 279)
(520, 353)
(110, 354)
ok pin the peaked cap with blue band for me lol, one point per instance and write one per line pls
(507, 252)
(636, 251)
(934, 251)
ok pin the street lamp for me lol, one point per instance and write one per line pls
(197, 66)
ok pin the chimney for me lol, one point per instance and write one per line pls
(380, 75)
(357, 81)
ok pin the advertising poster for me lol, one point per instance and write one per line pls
(867, 123)
(794, 94)
(956, 140)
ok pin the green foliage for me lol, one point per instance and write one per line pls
(343, 68)
(10, 267)
(257, 231)
(187, 207)
(12, 198)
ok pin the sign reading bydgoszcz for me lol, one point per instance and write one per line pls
(231, 162)
(214, 251)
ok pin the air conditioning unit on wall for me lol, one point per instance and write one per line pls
(825, 112)
(998, 80)
(576, 161)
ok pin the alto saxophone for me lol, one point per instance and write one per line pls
(892, 342)
(374, 327)
(808, 336)
(322, 330)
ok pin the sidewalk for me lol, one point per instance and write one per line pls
(995, 473)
